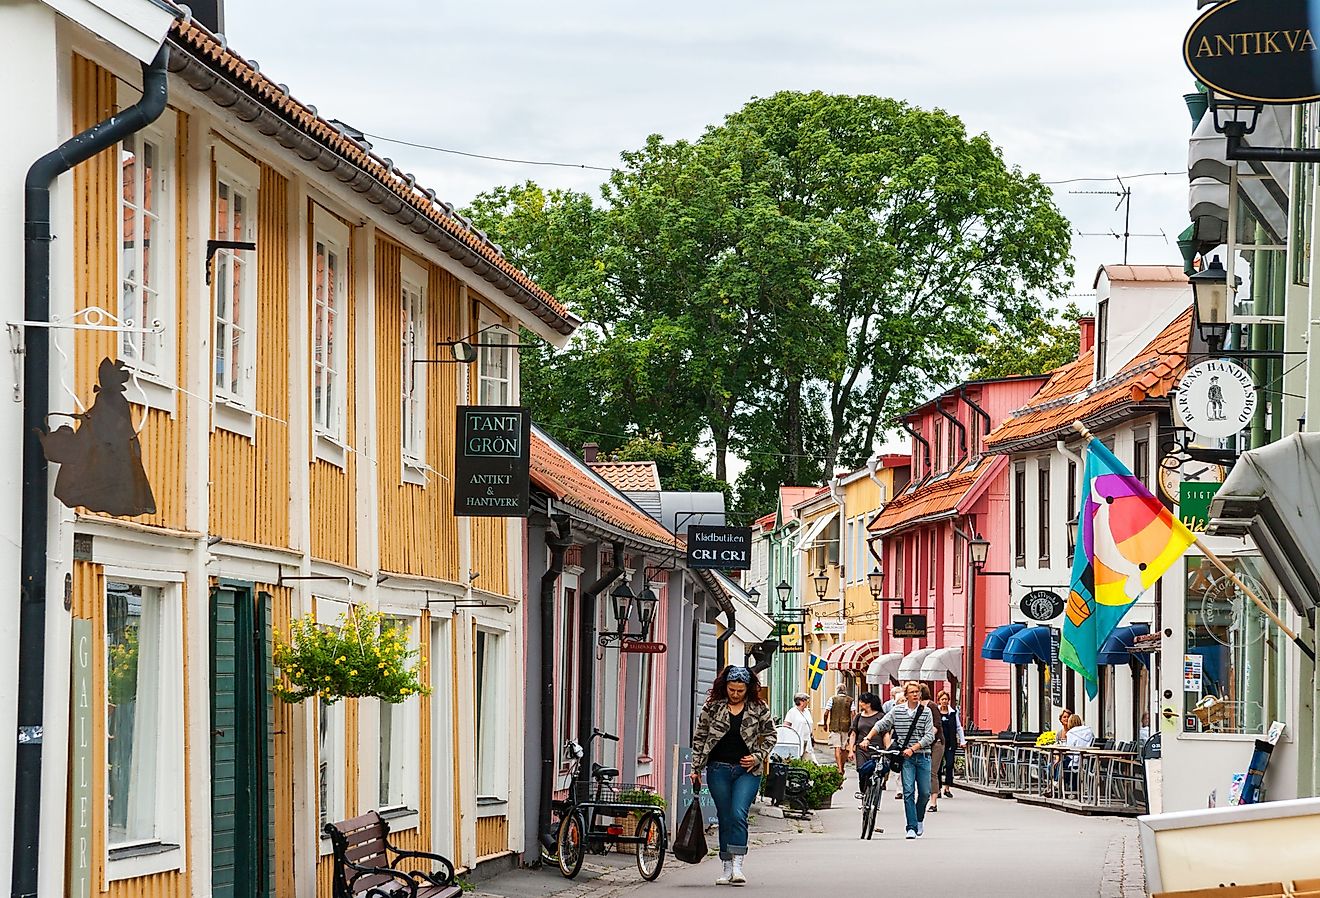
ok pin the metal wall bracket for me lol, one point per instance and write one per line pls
(92, 318)
(213, 245)
(283, 579)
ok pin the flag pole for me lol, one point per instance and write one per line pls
(1269, 612)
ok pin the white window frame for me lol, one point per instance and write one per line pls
(331, 237)
(168, 764)
(405, 743)
(334, 808)
(156, 377)
(413, 295)
(493, 337)
(236, 403)
(491, 764)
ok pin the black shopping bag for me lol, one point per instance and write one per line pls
(690, 842)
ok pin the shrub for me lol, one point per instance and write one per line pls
(641, 796)
(826, 779)
(362, 656)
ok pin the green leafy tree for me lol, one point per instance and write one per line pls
(1042, 345)
(676, 463)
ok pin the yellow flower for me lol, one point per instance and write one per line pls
(352, 673)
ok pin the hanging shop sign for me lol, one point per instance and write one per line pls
(645, 648)
(1216, 398)
(492, 463)
(909, 626)
(790, 637)
(719, 548)
(1042, 604)
(1258, 50)
(832, 626)
(81, 803)
(1194, 504)
(1056, 668)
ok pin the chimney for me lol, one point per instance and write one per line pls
(589, 451)
(1086, 334)
(210, 14)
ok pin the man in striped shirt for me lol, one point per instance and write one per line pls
(913, 726)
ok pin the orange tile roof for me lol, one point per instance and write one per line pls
(629, 476)
(1143, 273)
(1070, 397)
(571, 482)
(766, 521)
(213, 53)
(938, 498)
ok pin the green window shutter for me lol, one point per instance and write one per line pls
(224, 743)
(267, 705)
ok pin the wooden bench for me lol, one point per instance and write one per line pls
(367, 865)
(1254, 890)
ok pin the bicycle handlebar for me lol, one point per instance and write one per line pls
(604, 735)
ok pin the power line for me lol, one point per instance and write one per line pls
(423, 146)
(1119, 178)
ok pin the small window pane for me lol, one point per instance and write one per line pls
(133, 676)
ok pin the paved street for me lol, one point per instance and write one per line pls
(973, 845)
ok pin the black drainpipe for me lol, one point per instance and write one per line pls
(558, 538)
(587, 653)
(36, 403)
(722, 643)
(953, 420)
(903, 423)
(985, 418)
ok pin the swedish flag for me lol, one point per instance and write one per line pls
(816, 670)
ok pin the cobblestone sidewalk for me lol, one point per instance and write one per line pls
(1124, 872)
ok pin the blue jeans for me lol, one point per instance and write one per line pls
(916, 788)
(734, 790)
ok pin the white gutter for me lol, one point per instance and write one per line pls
(836, 493)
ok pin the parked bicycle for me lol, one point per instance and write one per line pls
(586, 816)
(875, 792)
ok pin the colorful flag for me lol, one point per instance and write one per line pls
(816, 670)
(1126, 540)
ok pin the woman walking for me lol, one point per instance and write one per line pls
(914, 733)
(733, 741)
(954, 738)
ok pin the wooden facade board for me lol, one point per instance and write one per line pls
(492, 836)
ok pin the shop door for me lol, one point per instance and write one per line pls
(242, 745)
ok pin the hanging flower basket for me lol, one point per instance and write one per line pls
(362, 656)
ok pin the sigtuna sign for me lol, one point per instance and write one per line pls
(492, 464)
(1258, 50)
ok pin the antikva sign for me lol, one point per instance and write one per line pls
(1258, 50)
(492, 462)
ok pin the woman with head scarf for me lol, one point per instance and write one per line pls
(732, 745)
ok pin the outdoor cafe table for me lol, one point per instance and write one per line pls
(988, 759)
(1095, 767)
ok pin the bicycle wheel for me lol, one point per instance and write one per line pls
(572, 844)
(651, 848)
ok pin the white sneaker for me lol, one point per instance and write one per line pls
(727, 876)
(737, 878)
(912, 834)
(921, 828)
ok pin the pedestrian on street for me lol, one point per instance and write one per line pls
(936, 750)
(915, 723)
(954, 738)
(868, 712)
(895, 697)
(838, 716)
(734, 736)
(799, 719)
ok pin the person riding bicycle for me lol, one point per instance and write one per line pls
(913, 726)
(868, 712)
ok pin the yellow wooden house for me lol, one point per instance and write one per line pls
(286, 301)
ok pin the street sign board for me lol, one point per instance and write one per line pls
(1216, 398)
(1042, 604)
(1056, 669)
(1194, 504)
(492, 461)
(80, 763)
(790, 637)
(909, 626)
(833, 626)
(645, 648)
(719, 548)
(1258, 50)
(683, 761)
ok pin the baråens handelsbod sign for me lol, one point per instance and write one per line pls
(1258, 50)
(1216, 398)
(492, 461)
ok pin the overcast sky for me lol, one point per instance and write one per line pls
(1068, 90)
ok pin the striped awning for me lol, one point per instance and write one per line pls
(852, 657)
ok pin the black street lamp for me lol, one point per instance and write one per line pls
(875, 582)
(647, 603)
(622, 597)
(822, 582)
(1210, 289)
(785, 593)
(978, 548)
(624, 601)
(1072, 530)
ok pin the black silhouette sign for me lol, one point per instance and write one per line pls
(101, 462)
